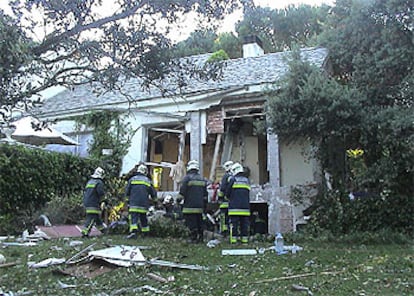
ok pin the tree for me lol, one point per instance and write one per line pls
(199, 41)
(207, 41)
(281, 29)
(230, 44)
(82, 45)
(362, 118)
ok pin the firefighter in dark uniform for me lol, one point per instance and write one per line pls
(172, 210)
(193, 190)
(92, 196)
(238, 193)
(223, 200)
(138, 192)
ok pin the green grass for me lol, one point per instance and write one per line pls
(339, 268)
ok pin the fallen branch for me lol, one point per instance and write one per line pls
(8, 264)
(157, 277)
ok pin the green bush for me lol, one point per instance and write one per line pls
(337, 213)
(32, 177)
(165, 227)
(63, 209)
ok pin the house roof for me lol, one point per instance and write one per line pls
(237, 73)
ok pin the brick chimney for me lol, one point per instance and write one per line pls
(252, 46)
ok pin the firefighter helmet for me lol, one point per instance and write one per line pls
(142, 169)
(168, 199)
(99, 173)
(227, 165)
(193, 165)
(237, 168)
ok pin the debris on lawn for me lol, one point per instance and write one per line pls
(12, 244)
(213, 243)
(120, 255)
(60, 231)
(157, 277)
(46, 262)
(73, 259)
(75, 243)
(238, 252)
(301, 288)
(8, 265)
(176, 265)
(138, 289)
(87, 270)
(10, 293)
(66, 286)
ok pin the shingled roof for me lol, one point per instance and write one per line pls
(240, 72)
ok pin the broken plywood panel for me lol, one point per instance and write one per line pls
(66, 231)
(120, 255)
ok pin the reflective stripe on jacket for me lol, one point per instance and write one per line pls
(238, 192)
(138, 190)
(223, 187)
(194, 191)
(94, 191)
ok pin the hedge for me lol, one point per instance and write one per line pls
(30, 177)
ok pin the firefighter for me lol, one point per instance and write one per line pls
(138, 191)
(223, 200)
(238, 193)
(193, 190)
(92, 196)
(172, 210)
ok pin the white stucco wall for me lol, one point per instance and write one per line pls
(295, 165)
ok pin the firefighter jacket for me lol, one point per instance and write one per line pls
(238, 193)
(137, 192)
(174, 212)
(194, 192)
(94, 191)
(224, 202)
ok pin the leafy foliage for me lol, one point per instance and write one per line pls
(220, 55)
(165, 227)
(32, 177)
(366, 105)
(68, 43)
(109, 132)
(282, 29)
(207, 41)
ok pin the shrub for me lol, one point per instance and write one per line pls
(32, 177)
(63, 209)
(337, 213)
(165, 227)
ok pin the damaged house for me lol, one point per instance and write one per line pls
(212, 121)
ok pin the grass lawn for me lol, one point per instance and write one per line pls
(322, 267)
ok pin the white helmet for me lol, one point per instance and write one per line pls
(142, 169)
(168, 199)
(227, 165)
(237, 168)
(99, 173)
(193, 165)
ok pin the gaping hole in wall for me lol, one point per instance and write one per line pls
(259, 217)
(245, 144)
(167, 145)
